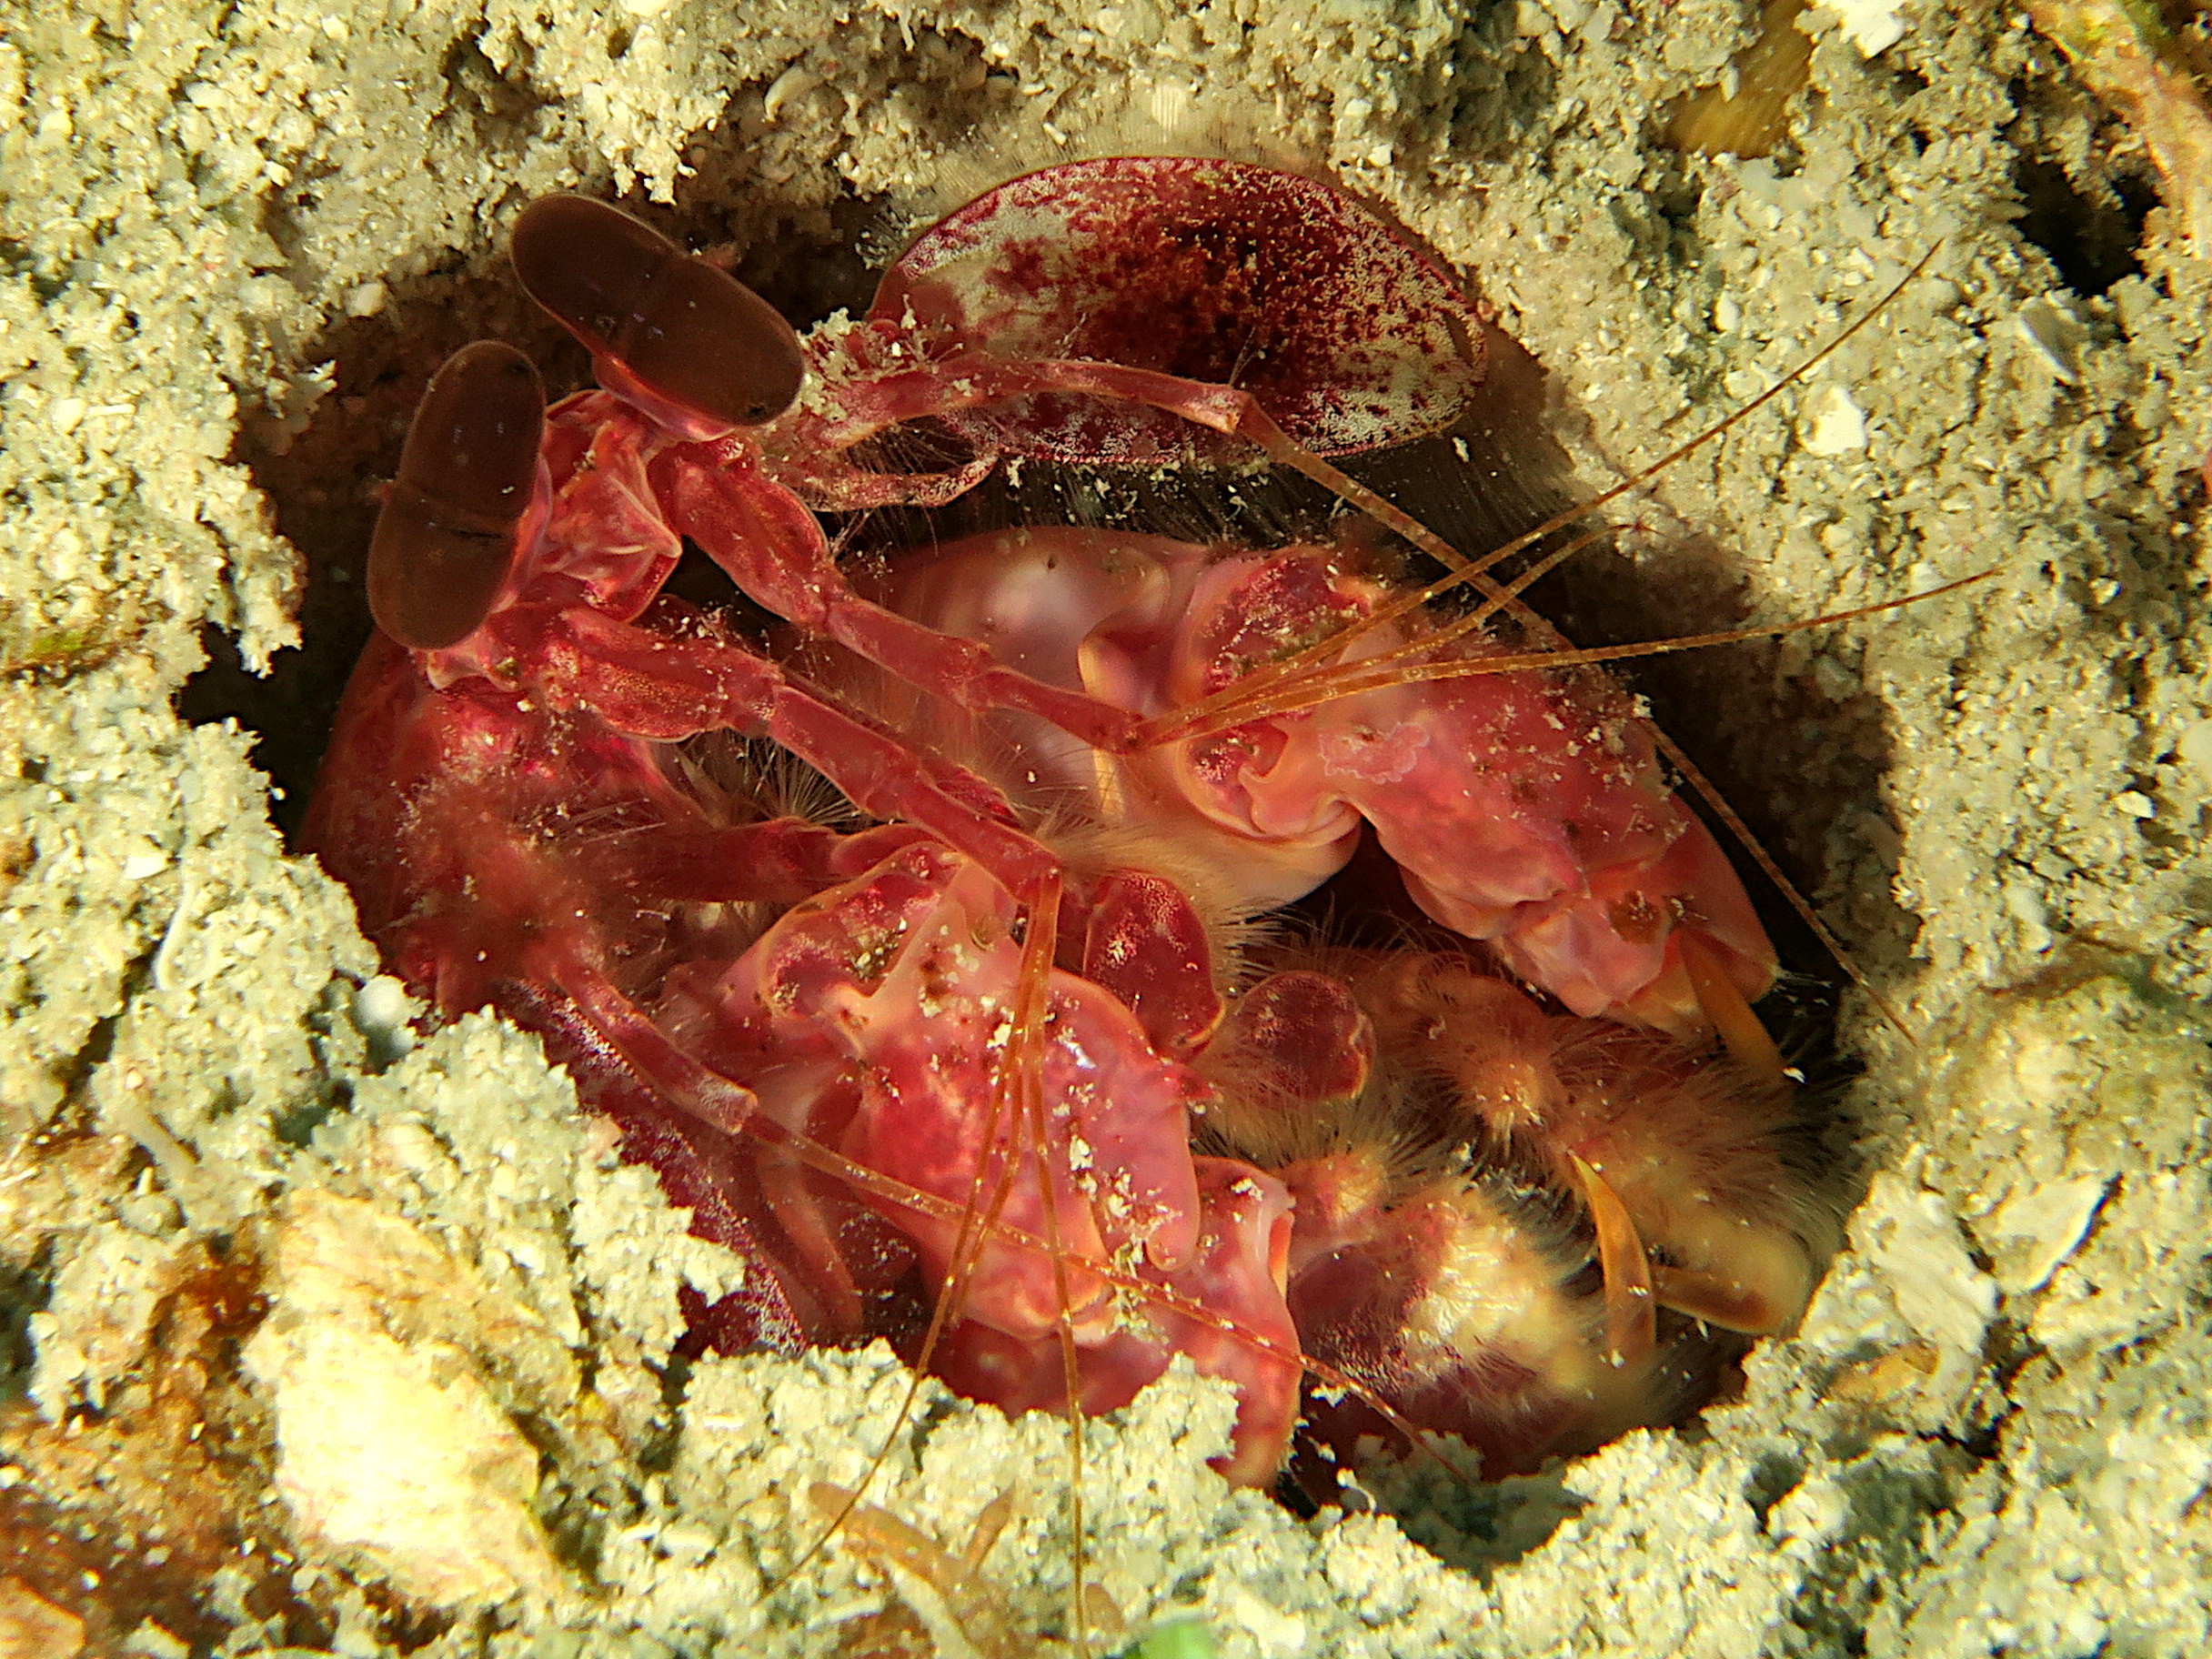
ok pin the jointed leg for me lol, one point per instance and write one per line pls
(665, 689)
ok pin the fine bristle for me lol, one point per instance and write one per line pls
(1739, 1137)
(751, 780)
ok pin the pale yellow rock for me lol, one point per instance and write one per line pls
(1912, 1240)
(31, 1627)
(204, 209)
(389, 1451)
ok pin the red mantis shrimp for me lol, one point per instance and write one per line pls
(1027, 1110)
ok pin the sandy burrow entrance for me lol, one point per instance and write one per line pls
(301, 1351)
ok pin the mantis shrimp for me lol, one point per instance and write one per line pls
(991, 1059)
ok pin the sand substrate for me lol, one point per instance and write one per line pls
(311, 1342)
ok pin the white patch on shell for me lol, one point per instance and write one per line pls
(1364, 752)
(1911, 1237)
(2038, 1228)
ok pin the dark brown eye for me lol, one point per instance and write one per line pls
(448, 534)
(691, 334)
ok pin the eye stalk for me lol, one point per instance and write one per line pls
(454, 520)
(690, 344)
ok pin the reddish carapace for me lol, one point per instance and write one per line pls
(985, 1062)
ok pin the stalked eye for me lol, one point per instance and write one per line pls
(685, 333)
(450, 530)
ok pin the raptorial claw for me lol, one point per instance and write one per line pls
(1723, 1002)
(1527, 809)
(1765, 1296)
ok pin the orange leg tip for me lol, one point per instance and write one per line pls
(1746, 1040)
(1717, 1300)
(1631, 1313)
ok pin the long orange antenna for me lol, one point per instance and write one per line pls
(979, 1217)
(1313, 691)
(1025, 1055)
(1319, 663)
(1259, 429)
